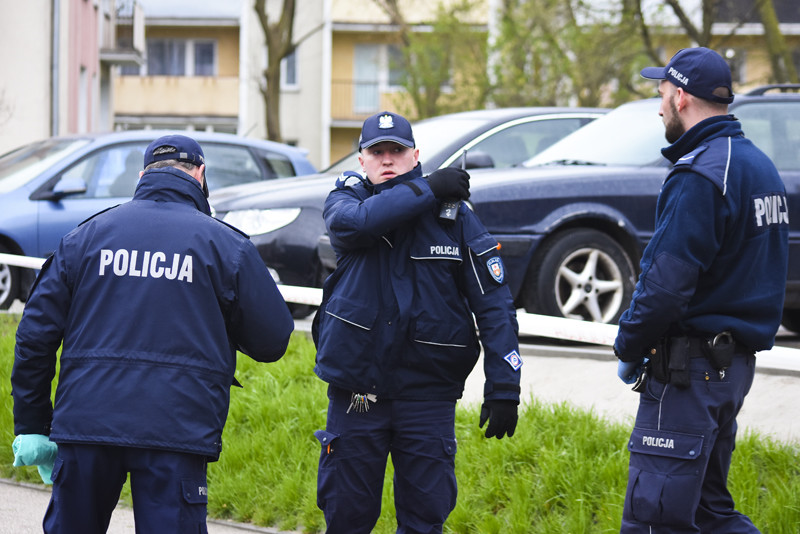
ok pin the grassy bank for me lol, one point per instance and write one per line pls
(564, 471)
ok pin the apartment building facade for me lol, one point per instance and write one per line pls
(58, 60)
(98, 65)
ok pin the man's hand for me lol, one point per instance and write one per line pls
(38, 450)
(502, 416)
(629, 372)
(449, 182)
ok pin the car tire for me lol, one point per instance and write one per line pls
(580, 274)
(9, 283)
(791, 320)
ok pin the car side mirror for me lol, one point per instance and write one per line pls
(475, 160)
(65, 187)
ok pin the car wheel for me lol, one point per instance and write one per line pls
(791, 320)
(9, 283)
(580, 274)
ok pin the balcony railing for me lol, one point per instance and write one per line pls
(353, 100)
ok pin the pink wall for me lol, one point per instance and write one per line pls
(83, 52)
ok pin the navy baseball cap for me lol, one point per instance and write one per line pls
(386, 126)
(174, 146)
(699, 71)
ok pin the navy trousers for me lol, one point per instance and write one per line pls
(168, 489)
(680, 453)
(419, 435)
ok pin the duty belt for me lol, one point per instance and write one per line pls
(703, 347)
(669, 359)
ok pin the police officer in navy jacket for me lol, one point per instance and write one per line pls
(396, 336)
(710, 294)
(151, 299)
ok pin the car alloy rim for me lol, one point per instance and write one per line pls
(589, 286)
(5, 282)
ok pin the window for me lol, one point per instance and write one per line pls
(289, 71)
(204, 58)
(181, 57)
(110, 172)
(736, 61)
(517, 143)
(796, 59)
(366, 90)
(229, 165)
(166, 58)
(378, 69)
(129, 70)
(397, 72)
(774, 127)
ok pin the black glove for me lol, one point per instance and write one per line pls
(502, 416)
(449, 182)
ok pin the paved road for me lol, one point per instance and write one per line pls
(22, 508)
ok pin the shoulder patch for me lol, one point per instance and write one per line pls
(495, 266)
(513, 360)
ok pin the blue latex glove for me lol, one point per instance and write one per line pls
(629, 372)
(38, 450)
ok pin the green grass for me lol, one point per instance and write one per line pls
(564, 471)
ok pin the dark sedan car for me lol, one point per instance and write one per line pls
(284, 217)
(49, 186)
(573, 222)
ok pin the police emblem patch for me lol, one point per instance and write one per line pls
(495, 266)
(513, 360)
(385, 121)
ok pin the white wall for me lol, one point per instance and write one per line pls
(25, 38)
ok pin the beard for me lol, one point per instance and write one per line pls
(673, 126)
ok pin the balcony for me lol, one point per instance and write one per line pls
(353, 101)
(177, 95)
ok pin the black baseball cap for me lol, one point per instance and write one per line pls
(698, 71)
(174, 146)
(386, 126)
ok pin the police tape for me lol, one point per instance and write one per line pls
(21, 261)
(779, 358)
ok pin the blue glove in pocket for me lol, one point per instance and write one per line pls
(629, 372)
(38, 450)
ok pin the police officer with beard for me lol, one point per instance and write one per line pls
(151, 299)
(709, 296)
(396, 336)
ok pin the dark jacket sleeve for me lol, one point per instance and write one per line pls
(260, 323)
(483, 282)
(355, 222)
(39, 336)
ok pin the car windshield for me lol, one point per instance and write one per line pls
(20, 166)
(431, 136)
(632, 134)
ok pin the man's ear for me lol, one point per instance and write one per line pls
(204, 182)
(681, 99)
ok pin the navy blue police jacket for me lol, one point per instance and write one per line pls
(718, 258)
(152, 298)
(397, 314)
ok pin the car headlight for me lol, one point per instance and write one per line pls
(255, 222)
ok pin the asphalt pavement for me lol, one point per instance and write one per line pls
(582, 376)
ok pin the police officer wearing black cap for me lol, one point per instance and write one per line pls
(709, 296)
(151, 300)
(396, 337)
